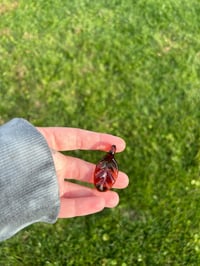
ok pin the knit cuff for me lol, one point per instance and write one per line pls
(28, 183)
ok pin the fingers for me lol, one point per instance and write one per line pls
(63, 139)
(80, 206)
(79, 200)
(73, 168)
(72, 190)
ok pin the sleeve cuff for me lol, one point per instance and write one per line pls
(28, 183)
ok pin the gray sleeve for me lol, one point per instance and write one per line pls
(28, 183)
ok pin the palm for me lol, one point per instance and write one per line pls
(77, 200)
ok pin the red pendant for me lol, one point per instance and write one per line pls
(106, 171)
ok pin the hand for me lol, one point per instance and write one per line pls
(78, 200)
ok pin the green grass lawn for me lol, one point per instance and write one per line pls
(129, 68)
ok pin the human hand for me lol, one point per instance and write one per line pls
(75, 199)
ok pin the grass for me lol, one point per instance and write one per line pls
(129, 68)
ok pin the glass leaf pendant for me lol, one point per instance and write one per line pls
(106, 171)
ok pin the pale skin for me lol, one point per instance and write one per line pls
(79, 200)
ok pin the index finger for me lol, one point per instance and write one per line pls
(66, 138)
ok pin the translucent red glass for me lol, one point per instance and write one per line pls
(106, 171)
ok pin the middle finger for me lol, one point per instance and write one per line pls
(69, 167)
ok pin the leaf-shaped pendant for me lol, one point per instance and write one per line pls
(106, 171)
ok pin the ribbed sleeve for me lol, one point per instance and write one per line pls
(28, 183)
